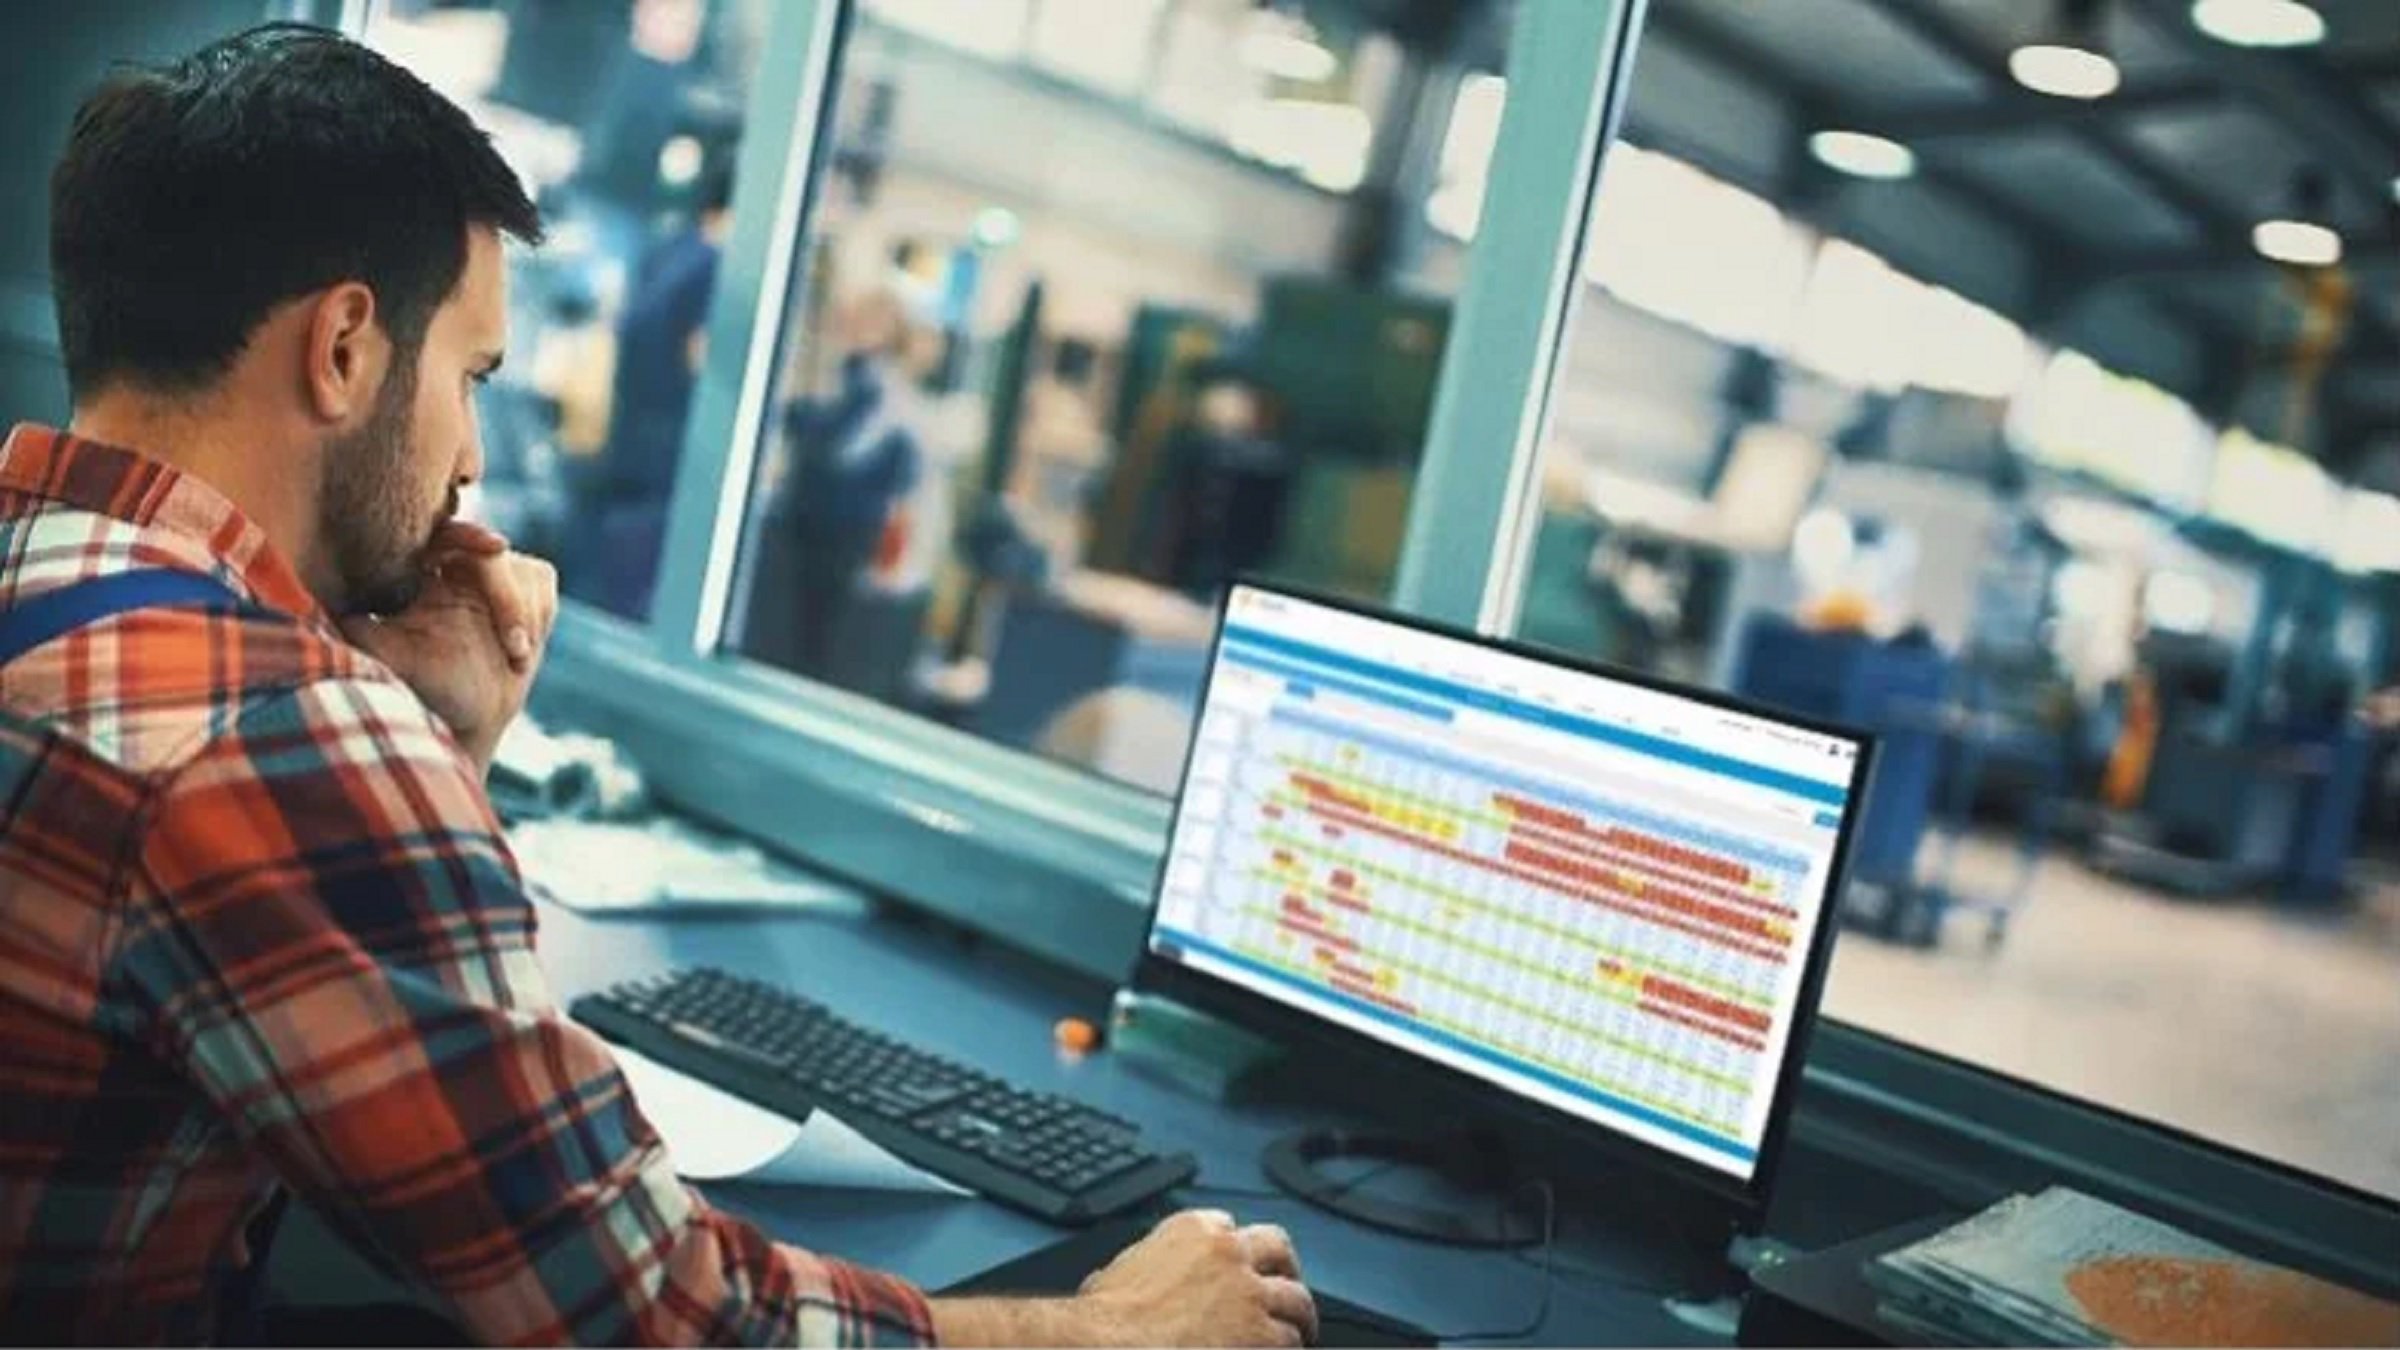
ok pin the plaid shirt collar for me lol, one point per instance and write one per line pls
(188, 522)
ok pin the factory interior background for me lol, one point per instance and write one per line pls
(2018, 380)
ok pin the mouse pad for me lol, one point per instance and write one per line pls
(1060, 1269)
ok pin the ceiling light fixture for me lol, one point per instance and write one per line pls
(2259, 23)
(2063, 72)
(1862, 155)
(2301, 238)
(2073, 62)
(2302, 243)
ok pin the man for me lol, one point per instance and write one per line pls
(258, 926)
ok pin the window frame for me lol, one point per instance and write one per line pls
(1061, 862)
(847, 756)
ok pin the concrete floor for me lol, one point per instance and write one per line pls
(2270, 1032)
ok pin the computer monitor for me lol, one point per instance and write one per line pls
(1596, 898)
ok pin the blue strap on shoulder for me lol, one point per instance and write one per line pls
(57, 613)
(54, 614)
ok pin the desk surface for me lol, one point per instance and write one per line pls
(929, 988)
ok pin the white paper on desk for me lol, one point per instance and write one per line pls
(599, 867)
(716, 1136)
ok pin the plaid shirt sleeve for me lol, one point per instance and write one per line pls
(328, 937)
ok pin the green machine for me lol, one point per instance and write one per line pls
(1353, 371)
(1350, 374)
(1354, 368)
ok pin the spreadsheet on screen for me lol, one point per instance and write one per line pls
(1594, 893)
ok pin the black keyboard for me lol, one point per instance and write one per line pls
(1052, 1157)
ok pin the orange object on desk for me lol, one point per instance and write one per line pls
(1076, 1036)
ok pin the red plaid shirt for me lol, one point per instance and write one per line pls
(258, 927)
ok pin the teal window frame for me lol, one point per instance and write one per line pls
(1059, 863)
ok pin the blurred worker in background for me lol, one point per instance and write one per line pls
(662, 338)
(841, 515)
(1230, 484)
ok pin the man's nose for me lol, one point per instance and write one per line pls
(470, 466)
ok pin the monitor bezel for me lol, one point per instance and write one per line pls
(1293, 1027)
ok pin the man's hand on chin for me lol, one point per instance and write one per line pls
(472, 642)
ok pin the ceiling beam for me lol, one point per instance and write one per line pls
(1937, 29)
(2326, 115)
(2068, 271)
(1817, 103)
(2072, 267)
(2224, 230)
(2374, 258)
(2011, 111)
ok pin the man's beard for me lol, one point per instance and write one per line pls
(366, 518)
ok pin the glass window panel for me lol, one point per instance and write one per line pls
(1058, 368)
(623, 121)
(1942, 426)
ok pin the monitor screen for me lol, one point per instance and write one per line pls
(1596, 894)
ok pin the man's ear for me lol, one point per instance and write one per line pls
(346, 353)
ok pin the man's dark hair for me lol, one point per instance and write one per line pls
(195, 197)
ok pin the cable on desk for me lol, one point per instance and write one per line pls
(1541, 1309)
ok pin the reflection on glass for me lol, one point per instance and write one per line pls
(2009, 446)
(623, 120)
(1064, 361)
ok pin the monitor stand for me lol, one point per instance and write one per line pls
(1472, 1168)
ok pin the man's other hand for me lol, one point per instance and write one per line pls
(472, 643)
(1195, 1280)
(1199, 1280)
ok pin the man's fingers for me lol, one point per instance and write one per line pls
(1270, 1250)
(512, 610)
(1289, 1302)
(467, 536)
(1206, 1218)
(539, 581)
